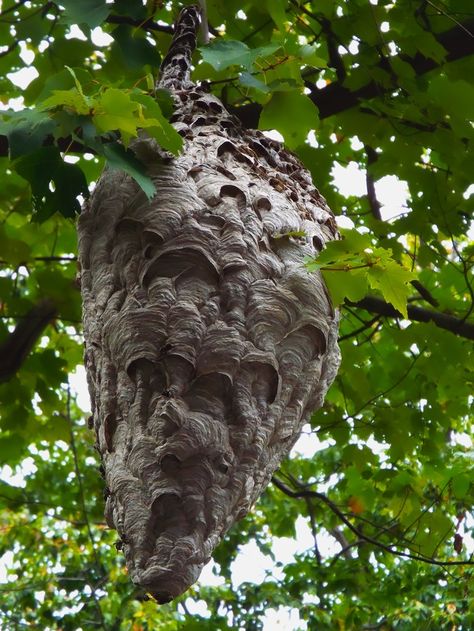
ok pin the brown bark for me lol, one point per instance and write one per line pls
(208, 344)
(16, 347)
(336, 98)
(418, 314)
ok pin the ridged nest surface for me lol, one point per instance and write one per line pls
(208, 343)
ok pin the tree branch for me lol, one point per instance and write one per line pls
(82, 501)
(375, 206)
(374, 203)
(330, 100)
(366, 325)
(15, 349)
(335, 98)
(14, 7)
(418, 314)
(424, 293)
(346, 547)
(305, 493)
(66, 144)
(49, 259)
(11, 47)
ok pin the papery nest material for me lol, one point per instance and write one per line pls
(208, 343)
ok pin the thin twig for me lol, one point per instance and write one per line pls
(374, 203)
(458, 326)
(9, 49)
(359, 330)
(466, 270)
(204, 22)
(336, 510)
(13, 8)
(450, 17)
(387, 390)
(48, 259)
(16, 347)
(83, 505)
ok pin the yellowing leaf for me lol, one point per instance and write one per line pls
(352, 263)
(151, 117)
(356, 505)
(72, 99)
(392, 280)
(115, 111)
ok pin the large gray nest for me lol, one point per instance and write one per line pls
(208, 343)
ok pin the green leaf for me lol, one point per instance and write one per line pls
(44, 86)
(9, 495)
(348, 248)
(309, 55)
(461, 484)
(392, 280)
(77, 83)
(430, 47)
(249, 81)
(115, 111)
(90, 12)
(455, 97)
(125, 160)
(55, 428)
(13, 251)
(66, 98)
(26, 130)
(352, 286)
(222, 54)
(11, 448)
(134, 52)
(276, 8)
(60, 287)
(351, 263)
(151, 118)
(131, 8)
(292, 114)
(163, 99)
(54, 183)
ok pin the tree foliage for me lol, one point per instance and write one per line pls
(384, 470)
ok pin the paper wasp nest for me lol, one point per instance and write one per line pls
(208, 343)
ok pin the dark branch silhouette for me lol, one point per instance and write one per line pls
(16, 347)
(334, 98)
(305, 493)
(445, 321)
